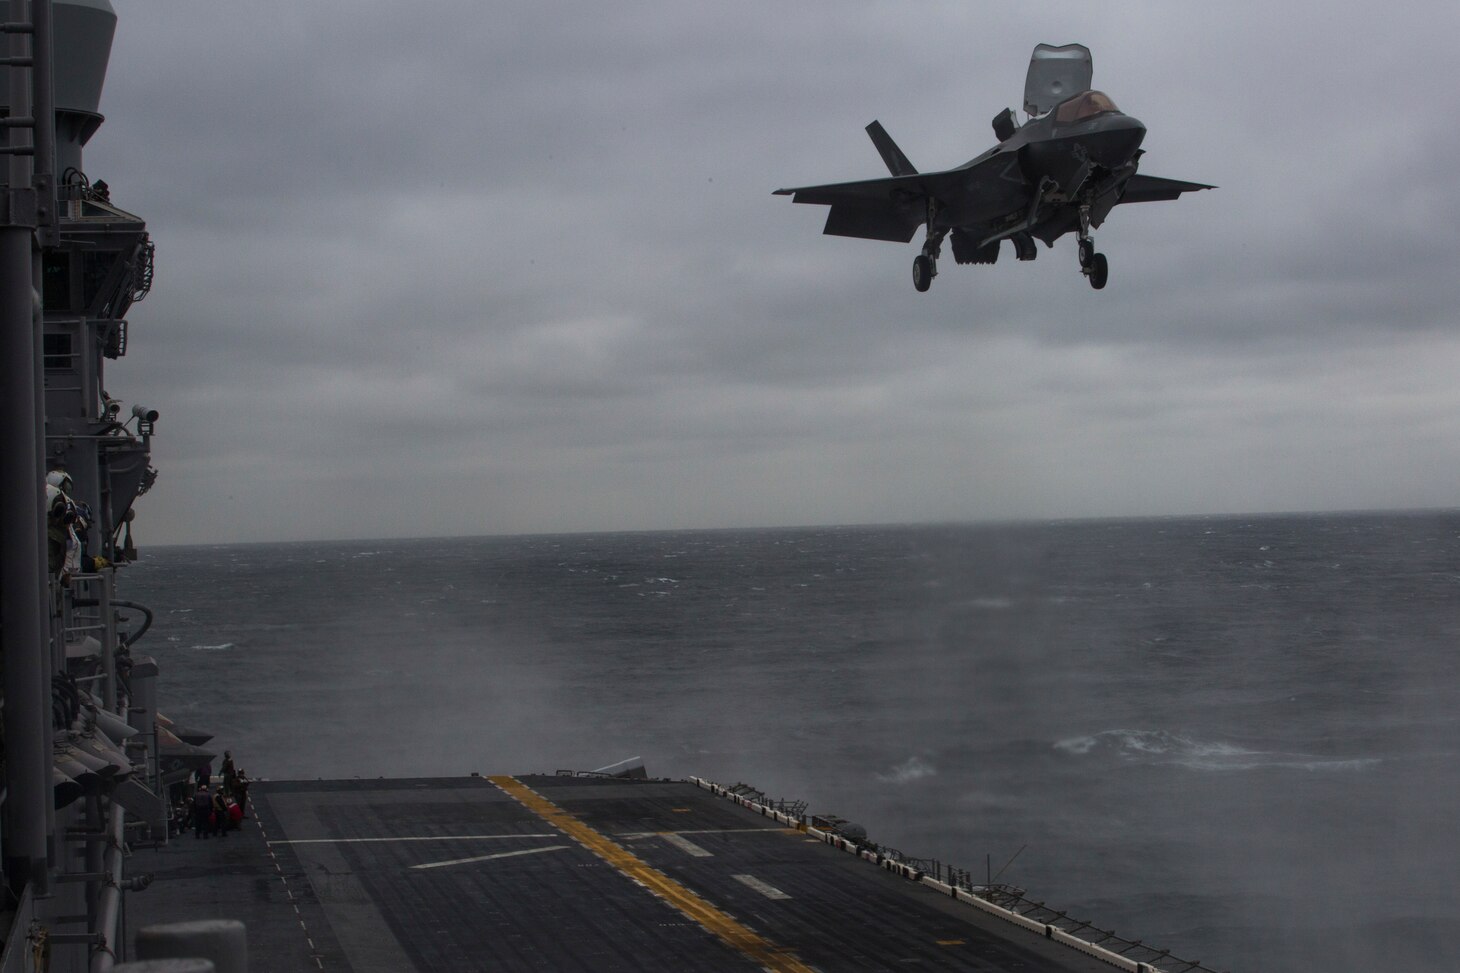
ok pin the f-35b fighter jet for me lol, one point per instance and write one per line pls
(1063, 170)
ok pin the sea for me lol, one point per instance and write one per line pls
(1236, 738)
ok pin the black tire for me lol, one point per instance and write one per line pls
(922, 272)
(1087, 252)
(1099, 271)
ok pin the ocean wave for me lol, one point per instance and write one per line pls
(1163, 747)
(212, 648)
(983, 604)
(1315, 764)
(911, 769)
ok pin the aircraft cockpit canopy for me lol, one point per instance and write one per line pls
(1085, 105)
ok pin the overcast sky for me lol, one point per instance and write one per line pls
(466, 268)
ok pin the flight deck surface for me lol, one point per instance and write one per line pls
(560, 873)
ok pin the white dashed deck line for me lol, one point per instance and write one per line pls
(484, 858)
(685, 845)
(764, 888)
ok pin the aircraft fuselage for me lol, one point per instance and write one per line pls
(1066, 158)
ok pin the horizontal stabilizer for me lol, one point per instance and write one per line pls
(897, 163)
(1151, 189)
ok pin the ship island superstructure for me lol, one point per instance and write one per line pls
(597, 871)
(86, 763)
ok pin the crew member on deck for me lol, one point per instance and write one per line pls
(202, 811)
(220, 814)
(240, 790)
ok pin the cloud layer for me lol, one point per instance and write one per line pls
(466, 268)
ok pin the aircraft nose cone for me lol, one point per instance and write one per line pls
(1117, 140)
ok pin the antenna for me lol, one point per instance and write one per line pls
(1009, 862)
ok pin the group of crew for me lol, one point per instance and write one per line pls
(211, 811)
(217, 811)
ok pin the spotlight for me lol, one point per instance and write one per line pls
(145, 418)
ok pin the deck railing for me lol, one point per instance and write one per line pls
(1006, 899)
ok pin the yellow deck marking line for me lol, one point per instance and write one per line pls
(731, 931)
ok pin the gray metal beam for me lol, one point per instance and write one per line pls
(24, 621)
(23, 628)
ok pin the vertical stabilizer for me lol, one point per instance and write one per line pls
(897, 163)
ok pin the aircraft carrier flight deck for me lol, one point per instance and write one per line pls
(566, 873)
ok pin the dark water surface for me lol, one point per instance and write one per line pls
(1236, 738)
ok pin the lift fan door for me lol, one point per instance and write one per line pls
(1056, 73)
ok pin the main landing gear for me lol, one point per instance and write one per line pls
(1093, 265)
(925, 264)
(925, 268)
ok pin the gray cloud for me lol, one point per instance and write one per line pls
(480, 268)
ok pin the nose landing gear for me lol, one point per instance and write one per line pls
(1093, 265)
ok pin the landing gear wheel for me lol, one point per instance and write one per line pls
(1087, 252)
(922, 272)
(1099, 270)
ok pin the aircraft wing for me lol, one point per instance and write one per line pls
(891, 208)
(1150, 189)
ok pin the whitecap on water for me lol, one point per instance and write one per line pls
(986, 603)
(1163, 747)
(1079, 746)
(212, 648)
(911, 769)
(1140, 743)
